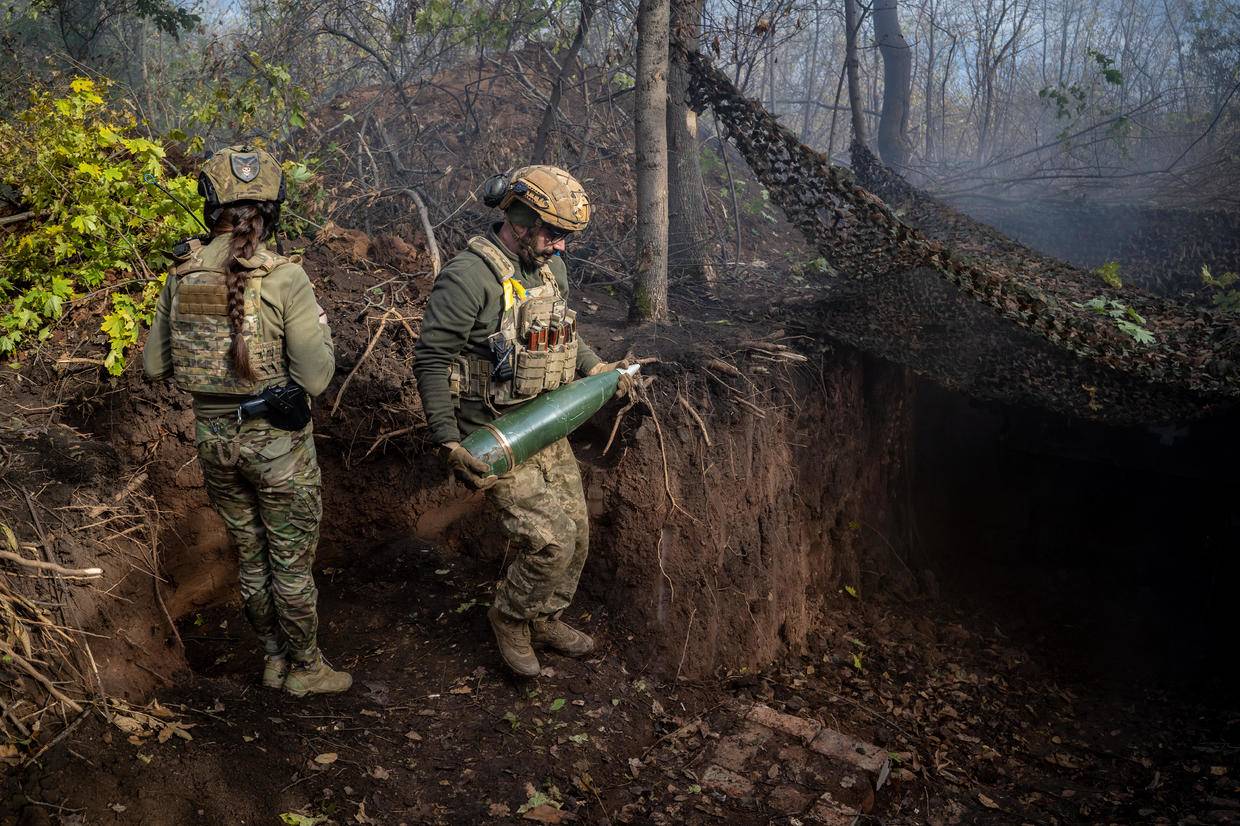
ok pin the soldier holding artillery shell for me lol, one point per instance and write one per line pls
(497, 333)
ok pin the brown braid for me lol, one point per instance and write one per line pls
(246, 224)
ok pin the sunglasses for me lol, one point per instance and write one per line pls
(555, 233)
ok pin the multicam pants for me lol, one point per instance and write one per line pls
(543, 511)
(264, 483)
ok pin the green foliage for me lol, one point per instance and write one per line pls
(755, 202)
(710, 162)
(1106, 66)
(265, 102)
(481, 21)
(77, 163)
(1071, 100)
(1226, 294)
(1128, 320)
(126, 319)
(817, 266)
(304, 196)
(1109, 273)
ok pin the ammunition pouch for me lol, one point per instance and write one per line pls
(535, 349)
(533, 372)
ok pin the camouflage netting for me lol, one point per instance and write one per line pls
(914, 281)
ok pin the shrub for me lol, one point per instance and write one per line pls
(77, 163)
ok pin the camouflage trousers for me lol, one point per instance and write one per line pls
(265, 484)
(543, 512)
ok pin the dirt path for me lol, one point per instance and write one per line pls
(434, 732)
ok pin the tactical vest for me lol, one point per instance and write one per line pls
(537, 363)
(201, 335)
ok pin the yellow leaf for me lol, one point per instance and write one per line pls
(82, 84)
(326, 759)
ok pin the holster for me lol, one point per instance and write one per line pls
(286, 407)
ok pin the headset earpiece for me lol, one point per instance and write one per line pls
(494, 190)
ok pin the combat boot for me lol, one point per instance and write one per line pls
(275, 669)
(316, 677)
(559, 635)
(513, 637)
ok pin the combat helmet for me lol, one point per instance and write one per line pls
(240, 173)
(556, 196)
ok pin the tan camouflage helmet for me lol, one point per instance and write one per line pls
(241, 173)
(557, 197)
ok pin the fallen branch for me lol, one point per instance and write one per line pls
(13, 219)
(64, 732)
(369, 347)
(427, 229)
(38, 677)
(65, 362)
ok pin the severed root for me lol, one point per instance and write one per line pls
(697, 418)
(88, 573)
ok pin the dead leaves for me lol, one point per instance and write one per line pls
(153, 719)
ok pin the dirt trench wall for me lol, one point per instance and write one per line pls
(771, 521)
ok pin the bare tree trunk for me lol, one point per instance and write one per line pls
(811, 72)
(897, 68)
(687, 230)
(557, 89)
(929, 93)
(852, 26)
(650, 287)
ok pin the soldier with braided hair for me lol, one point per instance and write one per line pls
(239, 328)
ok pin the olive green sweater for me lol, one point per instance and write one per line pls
(463, 310)
(290, 313)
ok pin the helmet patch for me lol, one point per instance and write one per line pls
(245, 167)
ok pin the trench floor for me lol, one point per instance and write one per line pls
(434, 732)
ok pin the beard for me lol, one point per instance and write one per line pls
(529, 256)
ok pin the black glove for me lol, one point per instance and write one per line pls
(467, 467)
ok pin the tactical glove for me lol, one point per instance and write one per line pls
(468, 468)
(625, 384)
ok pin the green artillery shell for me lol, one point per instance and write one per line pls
(514, 437)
